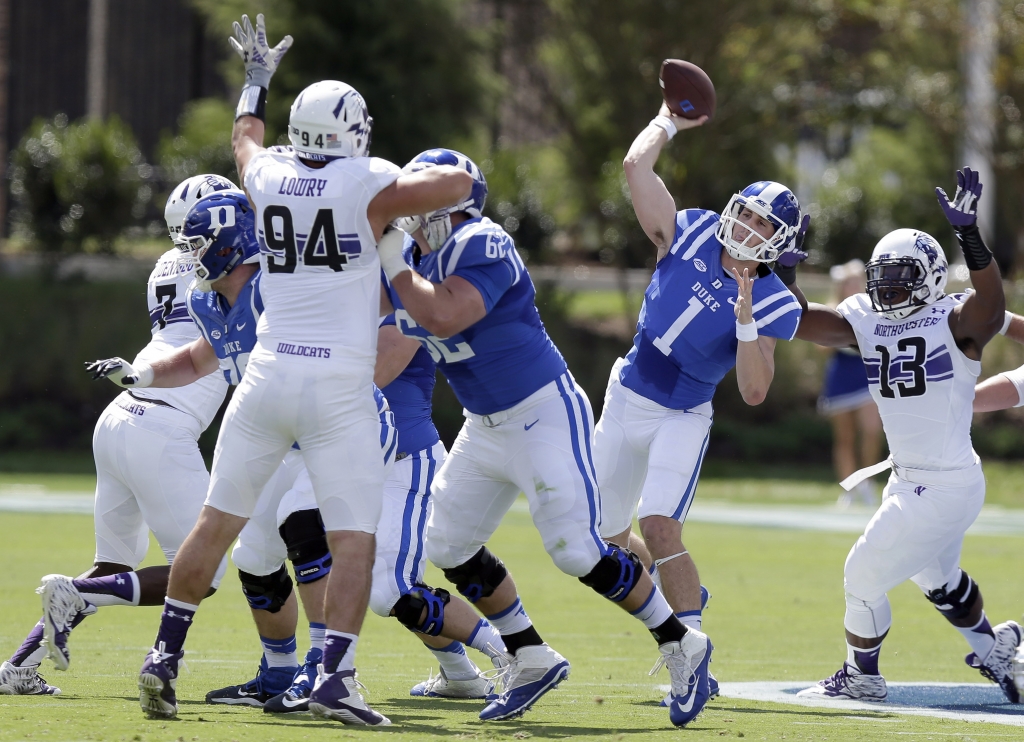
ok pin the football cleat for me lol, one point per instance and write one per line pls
(24, 681)
(999, 664)
(295, 700)
(1017, 670)
(848, 684)
(269, 682)
(61, 604)
(713, 691)
(157, 680)
(532, 672)
(336, 696)
(687, 661)
(441, 686)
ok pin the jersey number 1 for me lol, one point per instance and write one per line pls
(664, 343)
(323, 229)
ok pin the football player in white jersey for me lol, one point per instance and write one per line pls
(150, 475)
(320, 209)
(1004, 390)
(922, 350)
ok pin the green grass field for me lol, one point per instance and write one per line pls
(776, 615)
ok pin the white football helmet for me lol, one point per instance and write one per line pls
(907, 271)
(185, 195)
(329, 119)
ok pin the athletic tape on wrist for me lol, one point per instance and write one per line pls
(746, 333)
(1006, 323)
(976, 252)
(144, 374)
(665, 124)
(252, 102)
(392, 262)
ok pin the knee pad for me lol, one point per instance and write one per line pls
(956, 603)
(410, 607)
(266, 592)
(615, 575)
(304, 536)
(867, 619)
(479, 577)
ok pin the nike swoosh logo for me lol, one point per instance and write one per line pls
(239, 328)
(289, 703)
(527, 427)
(686, 707)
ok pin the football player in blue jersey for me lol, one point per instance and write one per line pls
(460, 288)
(220, 244)
(712, 304)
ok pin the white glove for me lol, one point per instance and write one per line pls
(122, 373)
(409, 224)
(390, 251)
(260, 60)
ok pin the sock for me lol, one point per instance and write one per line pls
(691, 619)
(485, 638)
(316, 635)
(454, 662)
(339, 651)
(512, 620)
(655, 610)
(865, 660)
(280, 652)
(119, 589)
(174, 624)
(655, 575)
(980, 637)
(31, 652)
(528, 637)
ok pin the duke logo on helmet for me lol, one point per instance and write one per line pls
(219, 233)
(185, 195)
(907, 270)
(774, 203)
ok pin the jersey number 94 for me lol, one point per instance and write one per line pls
(321, 246)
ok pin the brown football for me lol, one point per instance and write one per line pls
(687, 89)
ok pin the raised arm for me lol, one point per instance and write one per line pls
(755, 355)
(421, 192)
(394, 351)
(261, 62)
(654, 206)
(982, 314)
(179, 368)
(999, 392)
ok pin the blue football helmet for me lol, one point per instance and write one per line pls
(219, 233)
(774, 203)
(437, 225)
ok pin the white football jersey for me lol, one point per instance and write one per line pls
(321, 273)
(173, 327)
(922, 383)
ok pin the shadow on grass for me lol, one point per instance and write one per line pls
(844, 713)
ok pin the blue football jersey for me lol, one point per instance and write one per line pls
(506, 356)
(410, 396)
(686, 336)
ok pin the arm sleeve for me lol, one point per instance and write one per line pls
(1016, 377)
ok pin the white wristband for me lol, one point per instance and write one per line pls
(1006, 323)
(390, 251)
(746, 333)
(144, 374)
(665, 124)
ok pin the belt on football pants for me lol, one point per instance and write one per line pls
(934, 477)
(147, 400)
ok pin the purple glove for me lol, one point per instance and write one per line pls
(793, 255)
(962, 211)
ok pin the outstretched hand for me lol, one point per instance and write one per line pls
(962, 211)
(251, 44)
(795, 254)
(744, 303)
(117, 370)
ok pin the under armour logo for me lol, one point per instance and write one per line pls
(919, 490)
(937, 310)
(221, 216)
(120, 580)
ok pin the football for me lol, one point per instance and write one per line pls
(687, 89)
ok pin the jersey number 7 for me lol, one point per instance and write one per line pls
(280, 237)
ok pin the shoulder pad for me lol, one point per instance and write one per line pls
(693, 227)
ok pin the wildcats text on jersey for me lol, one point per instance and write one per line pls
(307, 351)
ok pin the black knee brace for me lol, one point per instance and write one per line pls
(266, 592)
(956, 603)
(410, 607)
(615, 575)
(479, 577)
(304, 535)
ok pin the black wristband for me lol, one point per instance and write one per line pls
(976, 253)
(252, 102)
(786, 275)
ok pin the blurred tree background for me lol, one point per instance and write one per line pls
(858, 105)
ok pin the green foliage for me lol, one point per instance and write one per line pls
(418, 63)
(77, 186)
(202, 144)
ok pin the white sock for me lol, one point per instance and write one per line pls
(316, 635)
(512, 620)
(280, 652)
(454, 661)
(655, 575)
(485, 638)
(690, 619)
(655, 611)
(339, 651)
